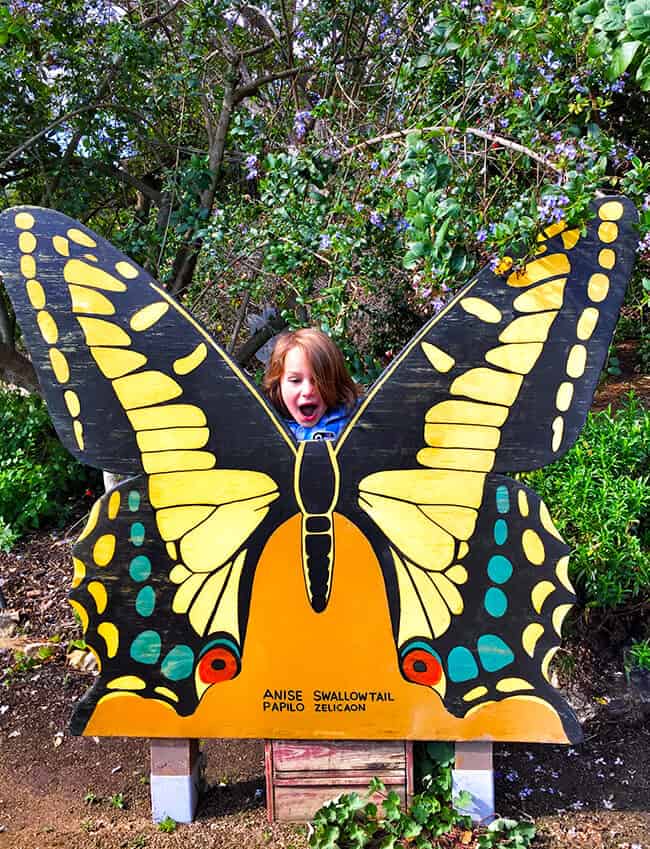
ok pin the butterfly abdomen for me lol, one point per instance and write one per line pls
(316, 488)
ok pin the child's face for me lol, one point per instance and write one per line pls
(299, 391)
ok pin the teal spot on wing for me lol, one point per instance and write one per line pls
(222, 641)
(503, 499)
(146, 647)
(140, 568)
(134, 500)
(493, 653)
(495, 602)
(137, 533)
(145, 601)
(500, 531)
(461, 664)
(178, 663)
(499, 569)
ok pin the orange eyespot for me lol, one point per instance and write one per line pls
(218, 664)
(420, 667)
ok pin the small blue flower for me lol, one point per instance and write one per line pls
(401, 225)
(325, 242)
(251, 166)
(481, 235)
(377, 220)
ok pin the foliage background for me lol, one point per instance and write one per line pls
(348, 164)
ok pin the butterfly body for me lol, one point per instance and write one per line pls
(474, 573)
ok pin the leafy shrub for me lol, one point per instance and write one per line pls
(599, 497)
(38, 478)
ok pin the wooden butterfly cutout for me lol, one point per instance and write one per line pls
(475, 573)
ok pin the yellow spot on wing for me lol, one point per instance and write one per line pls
(463, 548)
(482, 309)
(179, 574)
(517, 358)
(439, 359)
(485, 384)
(547, 296)
(547, 522)
(81, 612)
(79, 571)
(99, 594)
(145, 388)
(166, 693)
(611, 211)
(116, 362)
(113, 505)
(587, 323)
(80, 238)
(174, 522)
(475, 693)
(126, 270)
(552, 265)
(169, 439)
(559, 615)
(562, 572)
(24, 220)
(607, 258)
(169, 415)
(104, 549)
(554, 229)
(608, 232)
(529, 328)
(510, 685)
(36, 294)
(570, 239)
(533, 547)
(61, 245)
(97, 331)
(456, 458)
(80, 272)
(78, 429)
(461, 436)
(85, 300)
(522, 503)
(546, 662)
(577, 361)
(540, 593)
(92, 521)
(146, 317)
(72, 403)
(47, 326)
(177, 461)
(26, 242)
(598, 287)
(467, 412)
(126, 682)
(27, 266)
(172, 553)
(564, 396)
(184, 365)
(216, 486)
(530, 637)
(558, 432)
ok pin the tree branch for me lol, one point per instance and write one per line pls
(17, 369)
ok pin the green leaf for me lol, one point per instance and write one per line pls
(637, 18)
(621, 59)
(643, 74)
(423, 60)
(598, 45)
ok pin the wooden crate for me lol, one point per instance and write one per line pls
(303, 774)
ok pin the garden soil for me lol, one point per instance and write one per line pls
(69, 792)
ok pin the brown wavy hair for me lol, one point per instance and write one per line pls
(326, 360)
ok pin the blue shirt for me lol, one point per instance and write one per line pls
(329, 427)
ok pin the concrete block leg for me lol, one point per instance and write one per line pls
(474, 773)
(176, 776)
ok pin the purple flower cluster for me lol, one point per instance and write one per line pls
(300, 123)
(566, 149)
(481, 235)
(578, 85)
(643, 246)
(325, 242)
(251, 166)
(401, 225)
(550, 64)
(551, 209)
(377, 220)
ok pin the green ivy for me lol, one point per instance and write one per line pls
(39, 480)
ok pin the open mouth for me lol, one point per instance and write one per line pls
(307, 410)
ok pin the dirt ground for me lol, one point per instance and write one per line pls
(62, 791)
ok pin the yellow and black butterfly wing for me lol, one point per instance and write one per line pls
(164, 569)
(501, 380)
